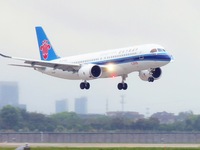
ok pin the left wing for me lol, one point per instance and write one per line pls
(42, 64)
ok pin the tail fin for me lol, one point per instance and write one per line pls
(47, 52)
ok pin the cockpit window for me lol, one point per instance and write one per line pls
(161, 50)
(153, 50)
(157, 50)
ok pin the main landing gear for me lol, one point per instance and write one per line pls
(123, 85)
(84, 85)
(120, 86)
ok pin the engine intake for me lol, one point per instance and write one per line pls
(155, 73)
(90, 71)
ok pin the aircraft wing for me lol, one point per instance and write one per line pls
(42, 64)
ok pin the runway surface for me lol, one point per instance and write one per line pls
(96, 145)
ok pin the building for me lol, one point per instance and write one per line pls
(81, 105)
(61, 106)
(126, 114)
(9, 94)
(164, 117)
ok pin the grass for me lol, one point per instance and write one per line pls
(68, 148)
(116, 148)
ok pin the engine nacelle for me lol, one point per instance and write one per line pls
(90, 71)
(148, 75)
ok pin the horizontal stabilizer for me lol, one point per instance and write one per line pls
(42, 64)
(39, 67)
(5, 56)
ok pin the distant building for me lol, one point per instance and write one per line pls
(127, 114)
(9, 94)
(164, 117)
(81, 105)
(61, 106)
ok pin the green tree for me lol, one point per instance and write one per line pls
(117, 123)
(152, 124)
(40, 122)
(68, 120)
(140, 124)
(189, 123)
(184, 115)
(10, 117)
(23, 120)
(96, 123)
(59, 128)
(196, 123)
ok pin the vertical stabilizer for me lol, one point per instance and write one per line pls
(47, 52)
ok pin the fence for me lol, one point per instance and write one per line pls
(133, 137)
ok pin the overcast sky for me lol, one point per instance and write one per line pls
(76, 26)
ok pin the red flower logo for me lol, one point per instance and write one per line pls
(45, 47)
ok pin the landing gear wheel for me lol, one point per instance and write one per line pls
(87, 85)
(120, 86)
(84, 85)
(150, 79)
(123, 86)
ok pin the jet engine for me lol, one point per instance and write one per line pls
(90, 71)
(150, 75)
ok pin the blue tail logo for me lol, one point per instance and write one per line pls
(47, 52)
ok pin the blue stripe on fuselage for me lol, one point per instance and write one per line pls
(144, 57)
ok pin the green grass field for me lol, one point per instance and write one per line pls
(68, 148)
(116, 149)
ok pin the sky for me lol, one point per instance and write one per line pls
(77, 27)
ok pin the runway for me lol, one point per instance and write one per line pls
(106, 145)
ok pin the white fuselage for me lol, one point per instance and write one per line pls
(116, 62)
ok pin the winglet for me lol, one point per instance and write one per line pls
(47, 52)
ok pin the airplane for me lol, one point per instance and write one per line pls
(145, 59)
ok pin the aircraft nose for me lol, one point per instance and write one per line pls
(171, 58)
(167, 57)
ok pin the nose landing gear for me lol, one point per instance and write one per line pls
(151, 79)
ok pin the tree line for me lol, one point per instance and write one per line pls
(19, 120)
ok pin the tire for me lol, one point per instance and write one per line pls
(82, 85)
(150, 79)
(120, 86)
(125, 86)
(87, 85)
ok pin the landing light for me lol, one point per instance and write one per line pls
(110, 67)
